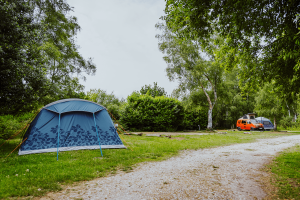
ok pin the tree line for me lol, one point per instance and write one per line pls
(258, 40)
(229, 58)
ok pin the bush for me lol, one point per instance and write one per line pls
(10, 124)
(286, 122)
(145, 113)
(193, 118)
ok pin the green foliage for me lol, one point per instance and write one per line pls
(22, 77)
(42, 171)
(109, 101)
(38, 56)
(145, 113)
(232, 101)
(262, 37)
(10, 124)
(187, 65)
(154, 91)
(269, 103)
(193, 118)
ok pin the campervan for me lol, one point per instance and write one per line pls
(266, 122)
(248, 122)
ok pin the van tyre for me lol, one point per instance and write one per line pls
(239, 128)
(251, 129)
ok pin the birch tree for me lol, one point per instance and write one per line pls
(186, 64)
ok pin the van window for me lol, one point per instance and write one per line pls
(243, 122)
(254, 121)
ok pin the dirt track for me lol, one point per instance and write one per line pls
(230, 172)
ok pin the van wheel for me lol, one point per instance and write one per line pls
(239, 128)
(251, 129)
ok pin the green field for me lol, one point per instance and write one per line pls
(37, 174)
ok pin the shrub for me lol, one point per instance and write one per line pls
(286, 122)
(193, 118)
(147, 113)
(10, 124)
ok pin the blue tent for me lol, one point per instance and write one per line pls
(70, 124)
(266, 122)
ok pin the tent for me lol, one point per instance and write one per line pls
(70, 124)
(266, 122)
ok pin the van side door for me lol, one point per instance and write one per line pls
(243, 124)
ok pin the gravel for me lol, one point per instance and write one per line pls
(229, 172)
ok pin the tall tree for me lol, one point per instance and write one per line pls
(265, 31)
(186, 64)
(61, 57)
(38, 56)
(22, 77)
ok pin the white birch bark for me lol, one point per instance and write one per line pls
(211, 105)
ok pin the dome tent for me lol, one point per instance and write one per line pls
(266, 122)
(70, 124)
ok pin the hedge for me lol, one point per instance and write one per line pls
(145, 113)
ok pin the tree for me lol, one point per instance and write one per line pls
(269, 104)
(22, 78)
(38, 57)
(58, 49)
(186, 64)
(231, 103)
(110, 101)
(154, 91)
(264, 31)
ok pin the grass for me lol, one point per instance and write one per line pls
(285, 170)
(37, 174)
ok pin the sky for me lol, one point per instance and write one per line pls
(120, 37)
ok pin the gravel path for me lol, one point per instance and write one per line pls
(230, 172)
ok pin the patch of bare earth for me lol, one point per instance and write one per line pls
(230, 172)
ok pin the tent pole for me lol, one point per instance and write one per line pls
(97, 134)
(58, 135)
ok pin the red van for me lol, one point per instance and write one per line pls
(248, 122)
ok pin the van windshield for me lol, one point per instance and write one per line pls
(254, 121)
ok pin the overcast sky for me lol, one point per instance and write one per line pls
(120, 36)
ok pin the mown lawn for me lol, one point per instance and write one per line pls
(37, 174)
(285, 170)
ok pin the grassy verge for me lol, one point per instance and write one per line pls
(285, 174)
(37, 174)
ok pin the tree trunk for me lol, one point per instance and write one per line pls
(211, 105)
(209, 125)
(275, 125)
